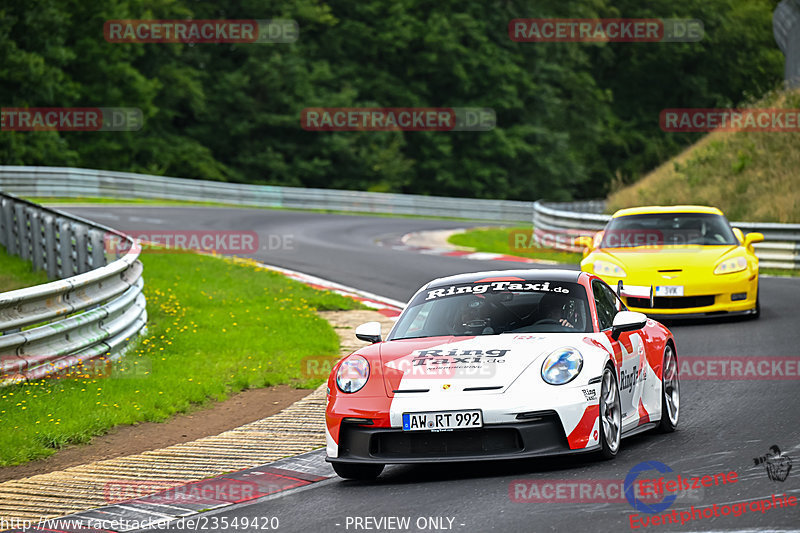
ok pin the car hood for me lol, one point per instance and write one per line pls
(667, 257)
(488, 363)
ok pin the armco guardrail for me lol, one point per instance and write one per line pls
(93, 312)
(77, 182)
(556, 224)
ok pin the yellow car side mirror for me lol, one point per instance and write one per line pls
(751, 238)
(586, 243)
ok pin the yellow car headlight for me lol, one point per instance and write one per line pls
(734, 264)
(605, 268)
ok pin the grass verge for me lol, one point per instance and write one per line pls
(15, 273)
(511, 241)
(215, 327)
(750, 176)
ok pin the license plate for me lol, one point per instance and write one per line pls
(669, 290)
(442, 420)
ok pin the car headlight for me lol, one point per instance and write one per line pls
(353, 374)
(562, 366)
(604, 268)
(735, 264)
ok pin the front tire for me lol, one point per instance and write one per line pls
(670, 392)
(610, 415)
(360, 472)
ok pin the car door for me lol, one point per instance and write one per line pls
(628, 352)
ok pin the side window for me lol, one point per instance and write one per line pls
(606, 304)
(618, 305)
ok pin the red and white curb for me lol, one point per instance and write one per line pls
(189, 506)
(444, 249)
(385, 306)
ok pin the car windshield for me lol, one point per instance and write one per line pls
(667, 229)
(495, 307)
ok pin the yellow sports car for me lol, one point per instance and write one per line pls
(676, 261)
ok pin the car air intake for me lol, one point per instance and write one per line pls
(674, 302)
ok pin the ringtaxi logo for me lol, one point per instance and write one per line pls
(747, 120)
(201, 31)
(455, 364)
(607, 30)
(398, 119)
(494, 286)
(71, 119)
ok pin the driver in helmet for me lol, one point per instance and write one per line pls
(556, 306)
(473, 319)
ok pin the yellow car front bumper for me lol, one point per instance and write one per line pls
(707, 295)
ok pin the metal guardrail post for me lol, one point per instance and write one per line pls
(50, 247)
(97, 252)
(81, 253)
(23, 248)
(37, 248)
(5, 222)
(65, 239)
(786, 28)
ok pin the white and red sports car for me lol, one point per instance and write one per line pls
(501, 365)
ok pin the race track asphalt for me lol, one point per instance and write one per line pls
(724, 423)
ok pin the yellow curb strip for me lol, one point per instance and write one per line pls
(297, 429)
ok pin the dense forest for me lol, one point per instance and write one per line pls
(572, 118)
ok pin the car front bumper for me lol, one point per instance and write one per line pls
(540, 436)
(732, 294)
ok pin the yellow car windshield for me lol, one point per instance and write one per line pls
(668, 229)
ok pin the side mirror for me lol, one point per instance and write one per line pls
(739, 234)
(627, 321)
(751, 238)
(584, 242)
(369, 332)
